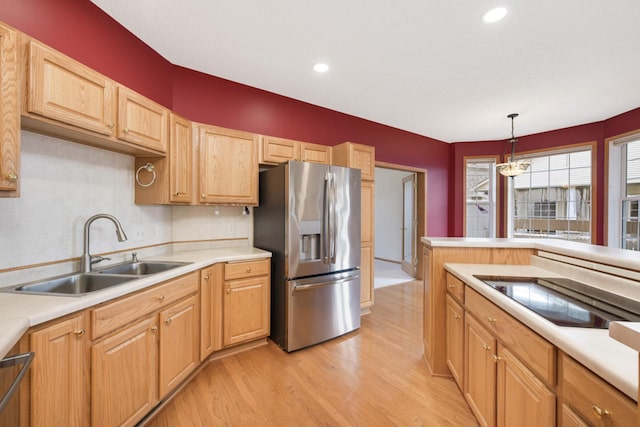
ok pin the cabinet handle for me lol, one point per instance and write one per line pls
(486, 347)
(249, 270)
(496, 358)
(206, 277)
(451, 286)
(202, 196)
(168, 320)
(599, 412)
(112, 125)
(154, 328)
(457, 316)
(126, 130)
(491, 319)
(228, 290)
(12, 177)
(161, 298)
(79, 332)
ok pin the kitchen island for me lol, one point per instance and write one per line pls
(560, 361)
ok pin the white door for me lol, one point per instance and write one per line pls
(409, 225)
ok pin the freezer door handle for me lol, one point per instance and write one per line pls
(332, 220)
(297, 288)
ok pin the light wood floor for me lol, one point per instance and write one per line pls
(375, 376)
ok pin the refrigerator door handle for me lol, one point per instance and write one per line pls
(325, 238)
(332, 222)
(297, 288)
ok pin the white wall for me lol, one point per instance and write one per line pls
(388, 213)
(64, 183)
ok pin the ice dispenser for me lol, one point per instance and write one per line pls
(310, 240)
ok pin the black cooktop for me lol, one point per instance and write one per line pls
(566, 302)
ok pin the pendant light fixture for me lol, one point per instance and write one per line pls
(513, 167)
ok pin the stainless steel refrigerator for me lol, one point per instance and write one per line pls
(309, 218)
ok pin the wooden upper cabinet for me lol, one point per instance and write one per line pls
(68, 99)
(315, 153)
(142, 121)
(174, 173)
(228, 161)
(63, 89)
(9, 114)
(358, 156)
(279, 150)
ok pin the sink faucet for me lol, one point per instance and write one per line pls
(86, 260)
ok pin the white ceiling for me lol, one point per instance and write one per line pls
(425, 66)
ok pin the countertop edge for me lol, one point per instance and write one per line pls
(19, 312)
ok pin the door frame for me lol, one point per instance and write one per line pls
(420, 205)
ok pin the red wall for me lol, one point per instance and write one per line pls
(81, 30)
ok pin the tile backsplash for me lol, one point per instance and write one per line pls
(64, 183)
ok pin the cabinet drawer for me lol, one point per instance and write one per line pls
(113, 315)
(238, 270)
(595, 400)
(536, 352)
(455, 287)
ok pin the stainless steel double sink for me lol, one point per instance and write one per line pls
(78, 284)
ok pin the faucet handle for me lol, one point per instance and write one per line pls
(96, 259)
(134, 257)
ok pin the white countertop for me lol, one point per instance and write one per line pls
(18, 312)
(594, 348)
(602, 254)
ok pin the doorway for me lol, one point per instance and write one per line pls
(400, 212)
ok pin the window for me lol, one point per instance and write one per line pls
(553, 198)
(630, 185)
(480, 197)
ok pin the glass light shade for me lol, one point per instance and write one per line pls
(513, 168)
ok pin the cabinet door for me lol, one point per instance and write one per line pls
(315, 153)
(455, 339)
(480, 372)
(142, 121)
(180, 160)
(228, 166)
(58, 386)
(124, 372)
(65, 90)
(211, 284)
(278, 150)
(179, 343)
(9, 113)
(523, 400)
(367, 211)
(246, 309)
(366, 277)
(355, 156)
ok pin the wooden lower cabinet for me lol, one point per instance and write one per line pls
(366, 278)
(588, 399)
(246, 312)
(211, 279)
(124, 372)
(480, 372)
(179, 343)
(523, 400)
(58, 374)
(455, 339)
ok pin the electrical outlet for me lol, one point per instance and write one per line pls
(231, 228)
(138, 234)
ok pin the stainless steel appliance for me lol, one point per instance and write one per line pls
(567, 302)
(309, 219)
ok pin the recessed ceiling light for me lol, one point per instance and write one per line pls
(320, 67)
(494, 15)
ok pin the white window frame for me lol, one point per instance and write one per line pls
(493, 192)
(591, 147)
(616, 193)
